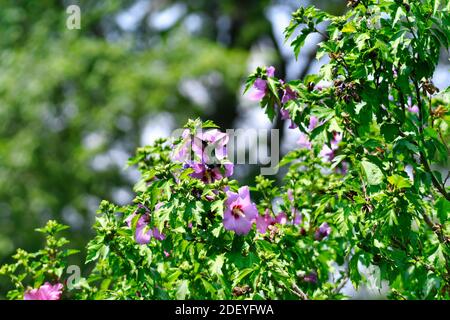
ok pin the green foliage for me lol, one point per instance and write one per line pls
(358, 207)
(47, 264)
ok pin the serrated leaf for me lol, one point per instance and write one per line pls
(373, 174)
(183, 290)
(398, 15)
(399, 182)
(443, 209)
(242, 274)
(349, 28)
(216, 265)
(336, 160)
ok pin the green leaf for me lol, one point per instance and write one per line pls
(288, 158)
(195, 210)
(432, 284)
(389, 131)
(242, 274)
(443, 209)
(436, 5)
(398, 15)
(349, 28)
(183, 290)
(298, 42)
(337, 160)
(216, 265)
(399, 182)
(373, 174)
(361, 40)
(438, 257)
(162, 216)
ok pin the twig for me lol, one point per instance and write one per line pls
(446, 178)
(299, 292)
(423, 158)
(343, 282)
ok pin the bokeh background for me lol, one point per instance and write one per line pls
(75, 104)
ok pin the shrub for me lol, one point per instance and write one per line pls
(360, 190)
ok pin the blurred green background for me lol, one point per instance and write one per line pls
(75, 104)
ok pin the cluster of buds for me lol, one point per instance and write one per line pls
(347, 91)
(405, 4)
(273, 232)
(429, 87)
(439, 112)
(301, 18)
(299, 14)
(240, 291)
(352, 3)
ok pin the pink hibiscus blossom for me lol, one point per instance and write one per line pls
(209, 152)
(264, 221)
(326, 153)
(45, 292)
(205, 146)
(181, 153)
(210, 145)
(143, 234)
(286, 116)
(304, 142)
(240, 212)
(210, 173)
(337, 138)
(413, 109)
(313, 122)
(260, 86)
(311, 277)
(322, 232)
(288, 94)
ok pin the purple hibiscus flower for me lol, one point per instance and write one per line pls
(313, 122)
(260, 86)
(240, 213)
(326, 153)
(281, 218)
(311, 277)
(322, 232)
(286, 116)
(264, 221)
(413, 109)
(288, 94)
(143, 234)
(181, 153)
(337, 138)
(45, 292)
(210, 145)
(205, 146)
(210, 173)
(303, 141)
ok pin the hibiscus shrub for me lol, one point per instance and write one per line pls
(360, 200)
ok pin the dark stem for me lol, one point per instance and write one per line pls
(423, 157)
